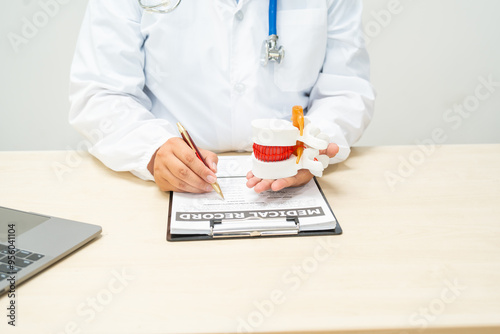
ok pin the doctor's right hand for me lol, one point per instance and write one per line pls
(176, 167)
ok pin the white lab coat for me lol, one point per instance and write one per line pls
(135, 74)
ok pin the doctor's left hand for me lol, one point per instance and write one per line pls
(302, 177)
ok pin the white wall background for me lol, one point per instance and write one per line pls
(426, 60)
(427, 57)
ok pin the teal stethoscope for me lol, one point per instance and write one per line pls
(270, 49)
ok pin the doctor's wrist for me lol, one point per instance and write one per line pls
(151, 164)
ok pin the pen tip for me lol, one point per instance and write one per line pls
(217, 189)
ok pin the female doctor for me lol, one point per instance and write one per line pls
(140, 68)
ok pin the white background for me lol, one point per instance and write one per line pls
(427, 57)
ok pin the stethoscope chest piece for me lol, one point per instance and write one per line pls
(271, 51)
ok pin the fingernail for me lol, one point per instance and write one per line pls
(209, 188)
(214, 166)
(211, 179)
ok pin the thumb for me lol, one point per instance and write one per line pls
(331, 150)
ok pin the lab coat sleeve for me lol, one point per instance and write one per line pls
(342, 100)
(108, 103)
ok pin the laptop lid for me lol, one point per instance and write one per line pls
(31, 242)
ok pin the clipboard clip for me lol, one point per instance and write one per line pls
(241, 228)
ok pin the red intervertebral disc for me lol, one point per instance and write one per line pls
(272, 153)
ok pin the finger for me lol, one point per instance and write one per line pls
(263, 185)
(331, 150)
(176, 185)
(193, 165)
(167, 181)
(253, 182)
(249, 175)
(302, 177)
(184, 176)
(283, 183)
(211, 159)
(173, 173)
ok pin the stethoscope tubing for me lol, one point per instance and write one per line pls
(273, 7)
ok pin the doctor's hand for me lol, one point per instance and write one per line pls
(302, 177)
(176, 167)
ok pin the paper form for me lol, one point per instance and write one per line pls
(191, 213)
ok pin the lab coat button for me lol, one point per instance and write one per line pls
(239, 87)
(239, 15)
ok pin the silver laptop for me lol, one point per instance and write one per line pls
(31, 242)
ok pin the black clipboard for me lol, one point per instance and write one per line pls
(254, 233)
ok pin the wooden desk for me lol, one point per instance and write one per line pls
(422, 253)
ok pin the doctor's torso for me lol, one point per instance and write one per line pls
(202, 65)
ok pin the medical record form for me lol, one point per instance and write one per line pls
(244, 213)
